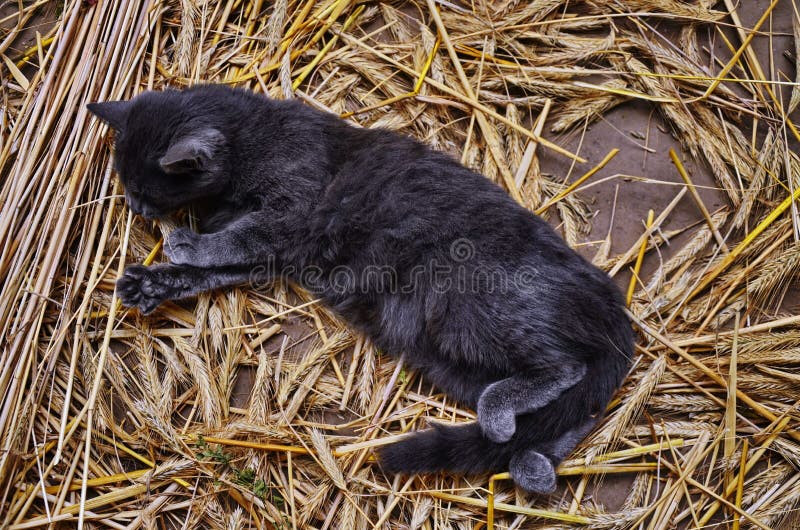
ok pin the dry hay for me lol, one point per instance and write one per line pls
(256, 408)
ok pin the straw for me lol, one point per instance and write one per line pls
(257, 408)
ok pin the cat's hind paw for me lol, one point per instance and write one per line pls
(139, 287)
(533, 471)
(496, 416)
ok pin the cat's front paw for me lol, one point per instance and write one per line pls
(139, 287)
(183, 247)
(496, 416)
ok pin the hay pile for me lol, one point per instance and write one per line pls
(256, 408)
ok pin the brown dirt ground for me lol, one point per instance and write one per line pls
(623, 128)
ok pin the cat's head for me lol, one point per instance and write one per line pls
(168, 153)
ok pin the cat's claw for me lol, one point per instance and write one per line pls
(496, 416)
(138, 287)
(182, 247)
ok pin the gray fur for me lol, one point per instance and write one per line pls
(534, 468)
(533, 471)
(115, 113)
(479, 289)
(148, 287)
(225, 248)
(195, 151)
(501, 402)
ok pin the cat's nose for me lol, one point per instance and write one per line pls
(147, 212)
(133, 203)
(139, 207)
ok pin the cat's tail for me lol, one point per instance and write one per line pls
(464, 449)
(457, 448)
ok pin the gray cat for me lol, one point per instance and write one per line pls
(426, 257)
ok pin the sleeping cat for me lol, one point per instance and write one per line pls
(428, 258)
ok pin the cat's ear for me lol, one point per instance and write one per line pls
(114, 113)
(193, 152)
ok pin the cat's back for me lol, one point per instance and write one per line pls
(504, 278)
(388, 179)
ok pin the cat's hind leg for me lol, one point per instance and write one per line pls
(464, 384)
(501, 402)
(533, 469)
